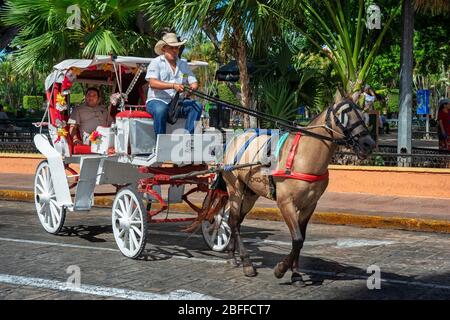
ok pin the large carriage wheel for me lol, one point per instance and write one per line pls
(129, 222)
(217, 235)
(50, 214)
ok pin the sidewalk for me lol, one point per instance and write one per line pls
(359, 209)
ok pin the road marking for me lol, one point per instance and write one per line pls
(322, 273)
(102, 291)
(339, 242)
(57, 244)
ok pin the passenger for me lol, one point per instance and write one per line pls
(167, 74)
(87, 117)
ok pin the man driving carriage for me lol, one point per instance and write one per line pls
(87, 117)
(167, 74)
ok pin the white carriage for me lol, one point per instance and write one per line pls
(127, 155)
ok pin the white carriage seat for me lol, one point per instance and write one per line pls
(135, 134)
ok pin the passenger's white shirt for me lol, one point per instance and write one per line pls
(160, 69)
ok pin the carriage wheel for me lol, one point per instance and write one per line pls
(50, 214)
(217, 235)
(129, 222)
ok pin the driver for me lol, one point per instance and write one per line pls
(167, 74)
(87, 117)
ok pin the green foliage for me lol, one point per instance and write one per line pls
(226, 94)
(44, 39)
(278, 100)
(76, 98)
(32, 102)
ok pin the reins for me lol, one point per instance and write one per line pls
(279, 122)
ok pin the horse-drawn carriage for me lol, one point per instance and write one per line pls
(145, 169)
(129, 156)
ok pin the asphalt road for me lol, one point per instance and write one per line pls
(335, 260)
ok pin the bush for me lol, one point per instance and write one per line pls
(33, 102)
(225, 94)
(76, 98)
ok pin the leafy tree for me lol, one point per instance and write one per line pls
(107, 27)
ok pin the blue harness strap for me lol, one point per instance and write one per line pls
(280, 144)
(238, 156)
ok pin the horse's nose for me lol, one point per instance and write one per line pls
(367, 144)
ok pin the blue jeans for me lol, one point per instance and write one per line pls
(191, 110)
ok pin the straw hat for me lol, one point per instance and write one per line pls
(169, 39)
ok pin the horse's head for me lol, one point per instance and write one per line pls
(349, 121)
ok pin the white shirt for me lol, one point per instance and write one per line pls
(160, 69)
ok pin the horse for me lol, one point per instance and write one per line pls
(299, 181)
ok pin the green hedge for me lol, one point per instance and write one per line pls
(32, 102)
(76, 98)
(225, 94)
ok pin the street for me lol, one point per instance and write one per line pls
(335, 262)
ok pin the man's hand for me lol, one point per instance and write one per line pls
(77, 141)
(178, 87)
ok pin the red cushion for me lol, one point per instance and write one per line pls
(134, 114)
(81, 149)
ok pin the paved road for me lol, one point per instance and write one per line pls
(34, 264)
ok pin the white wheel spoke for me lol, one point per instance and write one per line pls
(47, 175)
(41, 180)
(121, 233)
(133, 238)
(122, 207)
(40, 189)
(118, 212)
(138, 222)
(219, 240)
(137, 231)
(55, 213)
(42, 210)
(130, 242)
(133, 215)
(214, 234)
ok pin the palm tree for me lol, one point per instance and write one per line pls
(406, 71)
(336, 29)
(248, 26)
(106, 28)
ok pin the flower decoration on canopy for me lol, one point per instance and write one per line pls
(76, 71)
(107, 67)
(61, 104)
(68, 80)
(62, 132)
(95, 137)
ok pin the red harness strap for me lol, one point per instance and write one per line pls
(288, 174)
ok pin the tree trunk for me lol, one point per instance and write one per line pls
(241, 58)
(406, 70)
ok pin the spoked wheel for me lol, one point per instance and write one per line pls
(50, 214)
(129, 222)
(217, 235)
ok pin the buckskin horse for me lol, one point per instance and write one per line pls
(300, 178)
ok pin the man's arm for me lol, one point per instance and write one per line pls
(73, 132)
(162, 85)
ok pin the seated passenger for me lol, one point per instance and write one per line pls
(167, 74)
(87, 117)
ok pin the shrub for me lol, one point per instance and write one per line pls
(32, 102)
(76, 98)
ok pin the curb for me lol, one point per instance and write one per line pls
(273, 214)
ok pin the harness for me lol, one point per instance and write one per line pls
(289, 174)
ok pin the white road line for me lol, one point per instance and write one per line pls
(322, 273)
(57, 244)
(339, 242)
(102, 291)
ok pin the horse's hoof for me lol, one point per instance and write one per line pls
(277, 271)
(249, 271)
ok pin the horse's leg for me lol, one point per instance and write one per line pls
(248, 202)
(290, 214)
(241, 202)
(303, 220)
